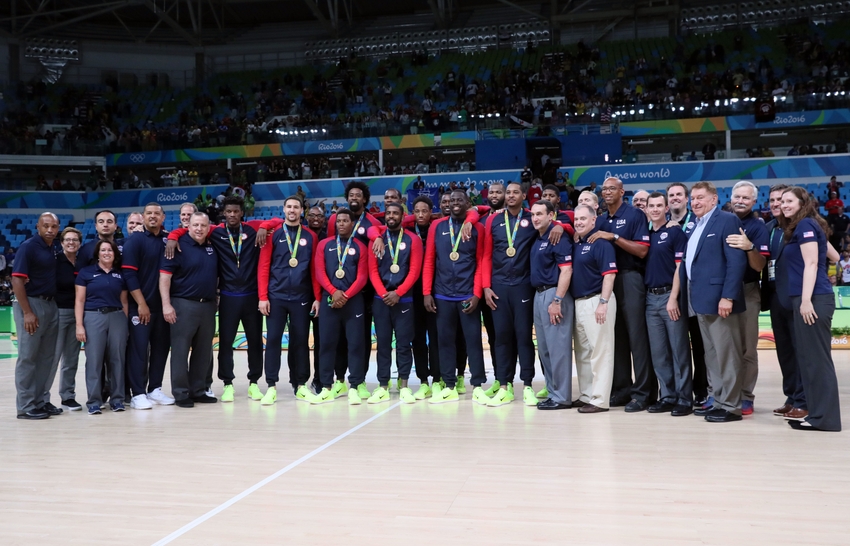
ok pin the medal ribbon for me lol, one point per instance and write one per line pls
(293, 248)
(511, 236)
(341, 258)
(455, 242)
(237, 250)
(394, 254)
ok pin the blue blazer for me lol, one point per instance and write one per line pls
(718, 269)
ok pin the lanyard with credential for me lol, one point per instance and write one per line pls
(511, 251)
(236, 247)
(293, 248)
(454, 256)
(340, 258)
(394, 253)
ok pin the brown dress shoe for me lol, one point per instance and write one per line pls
(578, 403)
(783, 410)
(796, 414)
(590, 408)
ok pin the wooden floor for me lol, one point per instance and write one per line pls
(240, 473)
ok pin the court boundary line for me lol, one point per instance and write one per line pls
(233, 500)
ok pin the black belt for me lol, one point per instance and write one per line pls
(545, 287)
(45, 298)
(199, 300)
(660, 289)
(105, 310)
(587, 297)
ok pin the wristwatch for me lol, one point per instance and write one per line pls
(556, 299)
(603, 300)
(616, 237)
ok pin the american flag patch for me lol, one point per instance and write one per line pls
(679, 254)
(645, 237)
(612, 264)
(763, 248)
(808, 234)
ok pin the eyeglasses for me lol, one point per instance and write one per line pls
(609, 188)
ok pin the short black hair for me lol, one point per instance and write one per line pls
(461, 192)
(234, 199)
(398, 191)
(358, 185)
(107, 211)
(552, 187)
(656, 194)
(294, 198)
(424, 199)
(346, 212)
(550, 208)
(394, 205)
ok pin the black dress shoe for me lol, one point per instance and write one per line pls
(703, 411)
(680, 410)
(660, 407)
(34, 415)
(205, 399)
(796, 425)
(550, 404)
(722, 416)
(634, 406)
(184, 403)
(617, 401)
(51, 409)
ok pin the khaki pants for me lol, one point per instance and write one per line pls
(594, 348)
(750, 323)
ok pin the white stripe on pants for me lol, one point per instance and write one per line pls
(594, 348)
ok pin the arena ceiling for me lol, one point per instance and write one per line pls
(209, 22)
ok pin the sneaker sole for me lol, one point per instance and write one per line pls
(381, 401)
(408, 401)
(298, 399)
(480, 402)
(320, 402)
(444, 401)
(152, 401)
(268, 402)
(138, 408)
(69, 408)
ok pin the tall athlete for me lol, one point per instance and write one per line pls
(288, 291)
(393, 276)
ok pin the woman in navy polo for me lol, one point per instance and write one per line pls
(101, 313)
(804, 262)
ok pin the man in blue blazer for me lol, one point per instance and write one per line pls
(712, 277)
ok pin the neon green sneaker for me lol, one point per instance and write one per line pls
(406, 396)
(354, 398)
(423, 392)
(227, 395)
(501, 398)
(303, 394)
(254, 392)
(461, 387)
(493, 388)
(444, 395)
(543, 393)
(270, 397)
(511, 390)
(442, 384)
(324, 396)
(338, 389)
(479, 397)
(379, 395)
(436, 388)
(398, 385)
(362, 391)
(528, 397)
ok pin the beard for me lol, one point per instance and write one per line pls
(496, 205)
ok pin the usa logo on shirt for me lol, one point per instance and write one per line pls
(523, 222)
(302, 242)
(209, 251)
(402, 246)
(620, 223)
(585, 249)
(351, 252)
(663, 235)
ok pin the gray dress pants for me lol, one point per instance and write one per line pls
(35, 353)
(193, 331)
(106, 336)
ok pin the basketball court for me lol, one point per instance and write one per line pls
(453, 474)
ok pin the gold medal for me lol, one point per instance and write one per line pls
(511, 252)
(394, 268)
(293, 262)
(340, 274)
(454, 256)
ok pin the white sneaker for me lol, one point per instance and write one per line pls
(159, 397)
(209, 393)
(140, 401)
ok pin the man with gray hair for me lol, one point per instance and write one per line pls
(639, 200)
(186, 212)
(36, 318)
(753, 239)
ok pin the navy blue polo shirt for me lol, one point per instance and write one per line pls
(452, 280)
(140, 264)
(547, 259)
(65, 281)
(629, 223)
(564, 218)
(327, 260)
(103, 288)
(807, 231)
(666, 248)
(279, 281)
(687, 223)
(36, 262)
(194, 270)
(757, 234)
(85, 256)
(591, 262)
(242, 280)
(499, 268)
